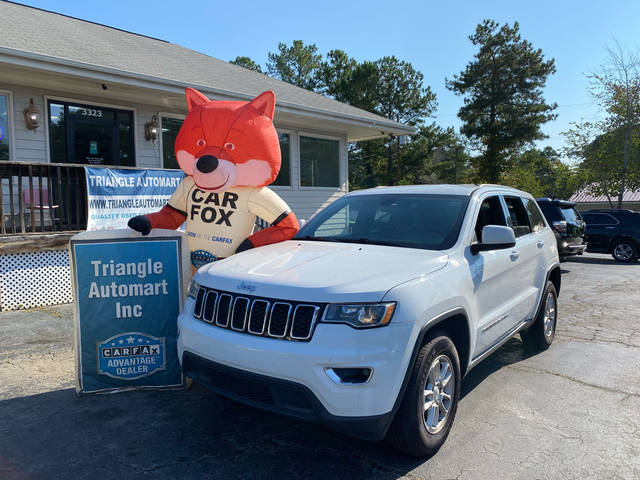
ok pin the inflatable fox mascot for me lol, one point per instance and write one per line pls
(230, 152)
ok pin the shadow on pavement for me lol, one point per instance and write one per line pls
(511, 352)
(176, 434)
(190, 434)
(597, 261)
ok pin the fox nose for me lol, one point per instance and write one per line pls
(207, 163)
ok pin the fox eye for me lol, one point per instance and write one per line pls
(200, 143)
(229, 146)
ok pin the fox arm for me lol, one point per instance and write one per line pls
(283, 228)
(169, 218)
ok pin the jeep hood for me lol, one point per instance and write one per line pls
(320, 271)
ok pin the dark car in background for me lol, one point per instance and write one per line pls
(613, 231)
(566, 223)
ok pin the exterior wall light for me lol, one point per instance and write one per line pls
(31, 116)
(151, 129)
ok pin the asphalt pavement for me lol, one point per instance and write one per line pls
(570, 412)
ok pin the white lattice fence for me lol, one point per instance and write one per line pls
(35, 279)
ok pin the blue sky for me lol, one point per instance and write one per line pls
(433, 36)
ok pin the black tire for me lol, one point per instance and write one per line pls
(538, 337)
(624, 251)
(408, 432)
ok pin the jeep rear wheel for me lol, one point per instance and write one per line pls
(429, 406)
(540, 335)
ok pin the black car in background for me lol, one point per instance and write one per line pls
(613, 231)
(566, 224)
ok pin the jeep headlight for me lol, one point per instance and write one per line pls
(360, 315)
(193, 289)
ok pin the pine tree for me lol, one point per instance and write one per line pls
(502, 88)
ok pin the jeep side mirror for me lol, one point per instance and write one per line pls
(494, 237)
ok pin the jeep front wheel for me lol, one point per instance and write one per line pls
(429, 406)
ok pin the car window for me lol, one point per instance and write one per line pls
(571, 215)
(406, 220)
(599, 219)
(535, 216)
(491, 213)
(339, 223)
(551, 212)
(588, 218)
(519, 220)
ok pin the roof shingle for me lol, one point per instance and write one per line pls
(41, 32)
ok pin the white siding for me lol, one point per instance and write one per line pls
(147, 152)
(32, 145)
(306, 201)
(29, 145)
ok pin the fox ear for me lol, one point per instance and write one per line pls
(265, 103)
(194, 98)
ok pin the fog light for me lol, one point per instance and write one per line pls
(349, 376)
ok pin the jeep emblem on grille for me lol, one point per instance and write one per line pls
(246, 287)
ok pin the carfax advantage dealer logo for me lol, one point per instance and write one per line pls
(131, 355)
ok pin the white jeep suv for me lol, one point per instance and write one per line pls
(369, 318)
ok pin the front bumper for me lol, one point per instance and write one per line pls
(566, 248)
(291, 376)
(279, 396)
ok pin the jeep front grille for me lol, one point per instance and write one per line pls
(266, 317)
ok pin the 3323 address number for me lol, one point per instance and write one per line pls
(89, 112)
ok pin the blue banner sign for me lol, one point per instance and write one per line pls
(116, 195)
(128, 296)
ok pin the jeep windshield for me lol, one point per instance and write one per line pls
(430, 222)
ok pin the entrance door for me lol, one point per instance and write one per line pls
(92, 135)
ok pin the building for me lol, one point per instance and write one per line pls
(74, 92)
(587, 201)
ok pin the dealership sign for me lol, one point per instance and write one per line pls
(128, 294)
(131, 355)
(116, 195)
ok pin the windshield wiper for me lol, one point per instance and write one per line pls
(315, 239)
(351, 240)
(366, 241)
(362, 240)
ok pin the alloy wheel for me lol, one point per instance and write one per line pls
(623, 252)
(549, 314)
(438, 394)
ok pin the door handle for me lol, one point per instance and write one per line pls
(540, 243)
(515, 253)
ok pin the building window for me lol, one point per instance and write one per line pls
(319, 162)
(5, 146)
(90, 135)
(284, 177)
(170, 128)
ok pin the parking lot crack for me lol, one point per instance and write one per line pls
(17, 428)
(181, 463)
(593, 339)
(572, 379)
